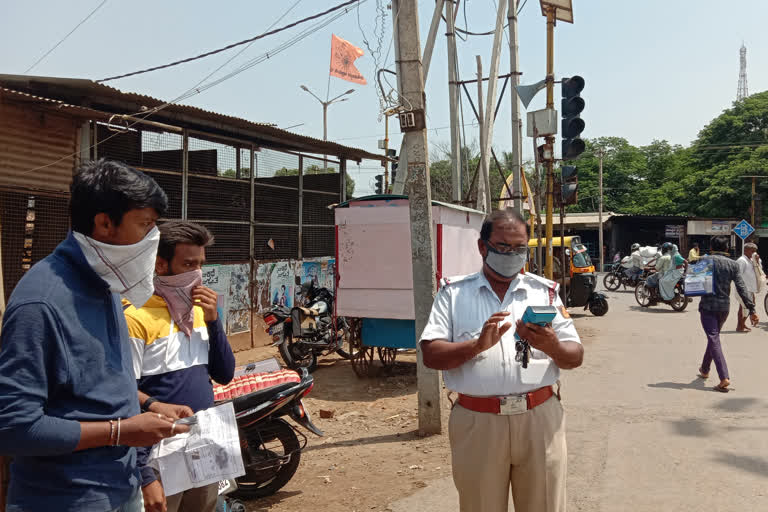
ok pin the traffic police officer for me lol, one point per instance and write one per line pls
(508, 427)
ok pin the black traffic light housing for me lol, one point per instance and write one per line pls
(569, 185)
(572, 124)
(379, 183)
(393, 165)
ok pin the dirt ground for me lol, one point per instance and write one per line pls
(371, 454)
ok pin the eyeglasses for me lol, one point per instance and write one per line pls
(521, 250)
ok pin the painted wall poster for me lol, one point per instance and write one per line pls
(310, 272)
(239, 303)
(281, 285)
(216, 277)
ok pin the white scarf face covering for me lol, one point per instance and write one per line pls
(127, 269)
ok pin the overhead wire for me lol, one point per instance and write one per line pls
(38, 61)
(234, 45)
(197, 90)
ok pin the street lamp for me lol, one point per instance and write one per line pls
(325, 106)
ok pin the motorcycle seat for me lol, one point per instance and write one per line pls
(244, 402)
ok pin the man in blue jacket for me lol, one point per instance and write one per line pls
(69, 410)
(179, 344)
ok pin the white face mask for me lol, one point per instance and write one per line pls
(127, 269)
(507, 265)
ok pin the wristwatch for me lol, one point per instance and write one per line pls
(148, 402)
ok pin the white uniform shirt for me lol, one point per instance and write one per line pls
(464, 304)
(637, 259)
(747, 270)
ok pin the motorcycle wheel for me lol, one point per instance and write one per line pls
(598, 307)
(345, 328)
(296, 356)
(271, 455)
(612, 282)
(679, 302)
(643, 294)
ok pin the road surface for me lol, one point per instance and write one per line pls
(644, 433)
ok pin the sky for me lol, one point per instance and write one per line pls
(656, 69)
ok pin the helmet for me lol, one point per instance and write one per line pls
(635, 247)
(666, 247)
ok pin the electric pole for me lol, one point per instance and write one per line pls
(548, 268)
(411, 84)
(600, 211)
(517, 123)
(453, 95)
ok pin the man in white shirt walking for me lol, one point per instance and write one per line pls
(507, 427)
(750, 276)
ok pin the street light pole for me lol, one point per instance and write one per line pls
(600, 212)
(325, 113)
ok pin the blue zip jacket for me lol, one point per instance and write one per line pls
(65, 358)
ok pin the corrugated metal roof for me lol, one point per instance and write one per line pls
(78, 92)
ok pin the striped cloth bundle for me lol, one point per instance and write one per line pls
(246, 384)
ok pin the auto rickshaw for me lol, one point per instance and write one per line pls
(581, 279)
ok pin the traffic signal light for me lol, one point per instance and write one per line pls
(572, 124)
(379, 183)
(569, 185)
(393, 174)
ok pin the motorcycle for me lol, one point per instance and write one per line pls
(305, 332)
(271, 446)
(649, 295)
(617, 277)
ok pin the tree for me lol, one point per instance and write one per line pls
(316, 169)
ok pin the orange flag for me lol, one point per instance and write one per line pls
(343, 56)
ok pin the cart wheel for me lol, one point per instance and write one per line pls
(360, 356)
(362, 362)
(387, 356)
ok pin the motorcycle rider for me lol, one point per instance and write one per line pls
(636, 269)
(663, 265)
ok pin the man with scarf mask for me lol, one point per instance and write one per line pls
(507, 426)
(179, 344)
(69, 413)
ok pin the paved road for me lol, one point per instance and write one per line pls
(644, 433)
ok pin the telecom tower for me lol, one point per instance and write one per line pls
(743, 91)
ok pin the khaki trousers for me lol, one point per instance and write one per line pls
(490, 452)
(198, 499)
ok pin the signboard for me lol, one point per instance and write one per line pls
(673, 231)
(743, 229)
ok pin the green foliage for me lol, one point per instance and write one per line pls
(316, 169)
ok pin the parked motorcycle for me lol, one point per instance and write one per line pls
(270, 445)
(617, 277)
(305, 332)
(648, 295)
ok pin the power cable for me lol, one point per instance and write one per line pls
(197, 90)
(233, 45)
(65, 37)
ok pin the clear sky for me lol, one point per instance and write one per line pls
(654, 69)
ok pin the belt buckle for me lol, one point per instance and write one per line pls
(516, 404)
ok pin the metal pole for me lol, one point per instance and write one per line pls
(536, 202)
(550, 140)
(343, 179)
(517, 123)
(453, 104)
(184, 173)
(386, 153)
(482, 182)
(754, 194)
(252, 242)
(563, 268)
(600, 212)
(301, 205)
(420, 206)
(325, 132)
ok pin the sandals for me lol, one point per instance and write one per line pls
(703, 375)
(723, 386)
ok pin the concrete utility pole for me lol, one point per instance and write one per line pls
(517, 123)
(420, 204)
(490, 113)
(398, 185)
(600, 155)
(453, 98)
(549, 267)
(483, 185)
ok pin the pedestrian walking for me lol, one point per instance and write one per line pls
(507, 426)
(714, 309)
(69, 407)
(750, 273)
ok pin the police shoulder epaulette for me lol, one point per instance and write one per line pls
(446, 281)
